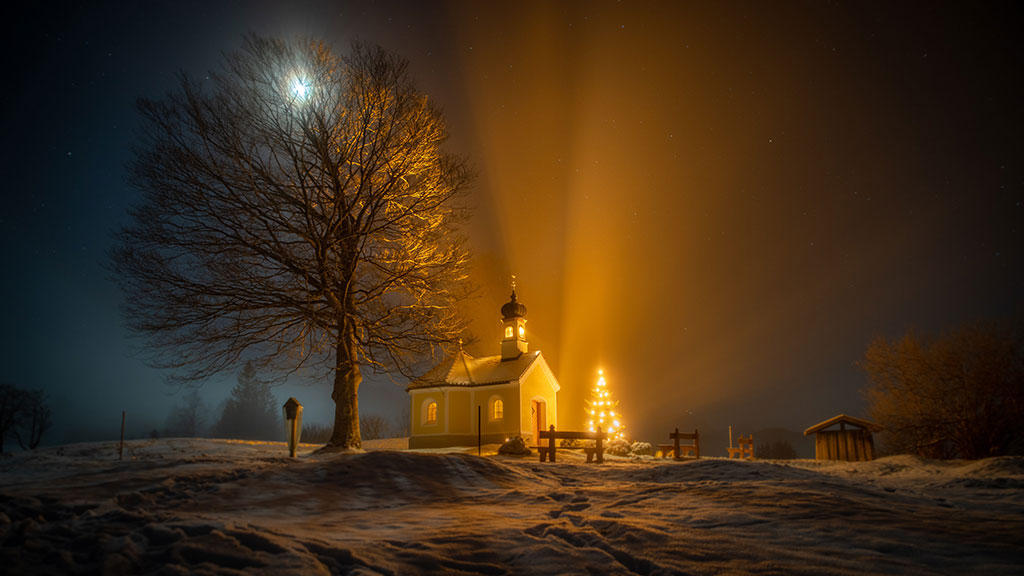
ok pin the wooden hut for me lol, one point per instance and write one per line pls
(853, 444)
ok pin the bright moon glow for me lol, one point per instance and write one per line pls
(300, 88)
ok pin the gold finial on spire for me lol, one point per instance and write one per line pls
(513, 286)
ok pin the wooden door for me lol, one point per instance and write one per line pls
(538, 418)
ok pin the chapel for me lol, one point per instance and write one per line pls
(514, 392)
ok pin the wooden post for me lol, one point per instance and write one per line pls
(696, 443)
(551, 443)
(479, 433)
(600, 446)
(730, 436)
(675, 443)
(292, 444)
(120, 449)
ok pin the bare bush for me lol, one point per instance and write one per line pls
(315, 434)
(957, 395)
(373, 426)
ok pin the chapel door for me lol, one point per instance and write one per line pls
(538, 419)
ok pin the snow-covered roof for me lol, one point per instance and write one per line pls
(843, 418)
(465, 370)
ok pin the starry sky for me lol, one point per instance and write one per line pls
(719, 204)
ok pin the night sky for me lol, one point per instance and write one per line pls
(718, 204)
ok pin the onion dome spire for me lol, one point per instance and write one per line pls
(513, 308)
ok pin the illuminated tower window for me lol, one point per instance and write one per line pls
(513, 316)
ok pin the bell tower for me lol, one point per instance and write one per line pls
(513, 342)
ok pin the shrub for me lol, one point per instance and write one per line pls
(515, 446)
(619, 447)
(641, 449)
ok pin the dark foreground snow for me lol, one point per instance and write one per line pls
(220, 507)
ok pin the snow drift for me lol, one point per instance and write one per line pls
(209, 506)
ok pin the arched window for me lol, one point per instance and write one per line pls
(522, 331)
(431, 413)
(508, 331)
(497, 410)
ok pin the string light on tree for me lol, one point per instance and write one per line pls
(602, 411)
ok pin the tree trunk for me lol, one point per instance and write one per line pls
(346, 395)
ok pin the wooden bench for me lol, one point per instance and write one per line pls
(677, 449)
(551, 435)
(744, 449)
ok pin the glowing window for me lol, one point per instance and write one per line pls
(508, 331)
(497, 410)
(522, 331)
(432, 413)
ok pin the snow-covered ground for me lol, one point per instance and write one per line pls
(213, 506)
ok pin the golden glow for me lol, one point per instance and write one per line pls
(508, 331)
(522, 331)
(432, 413)
(497, 410)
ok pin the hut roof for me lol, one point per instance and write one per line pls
(858, 422)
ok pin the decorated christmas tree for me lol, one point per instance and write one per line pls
(602, 411)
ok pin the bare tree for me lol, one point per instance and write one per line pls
(10, 406)
(958, 395)
(188, 417)
(25, 414)
(298, 210)
(34, 420)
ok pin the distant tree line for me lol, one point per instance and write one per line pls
(957, 395)
(252, 412)
(777, 450)
(23, 414)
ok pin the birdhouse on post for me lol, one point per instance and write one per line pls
(853, 444)
(293, 424)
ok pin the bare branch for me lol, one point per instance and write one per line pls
(315, 230)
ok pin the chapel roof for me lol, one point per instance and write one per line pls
(461, 369)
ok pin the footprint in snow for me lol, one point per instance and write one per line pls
(576, 507)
